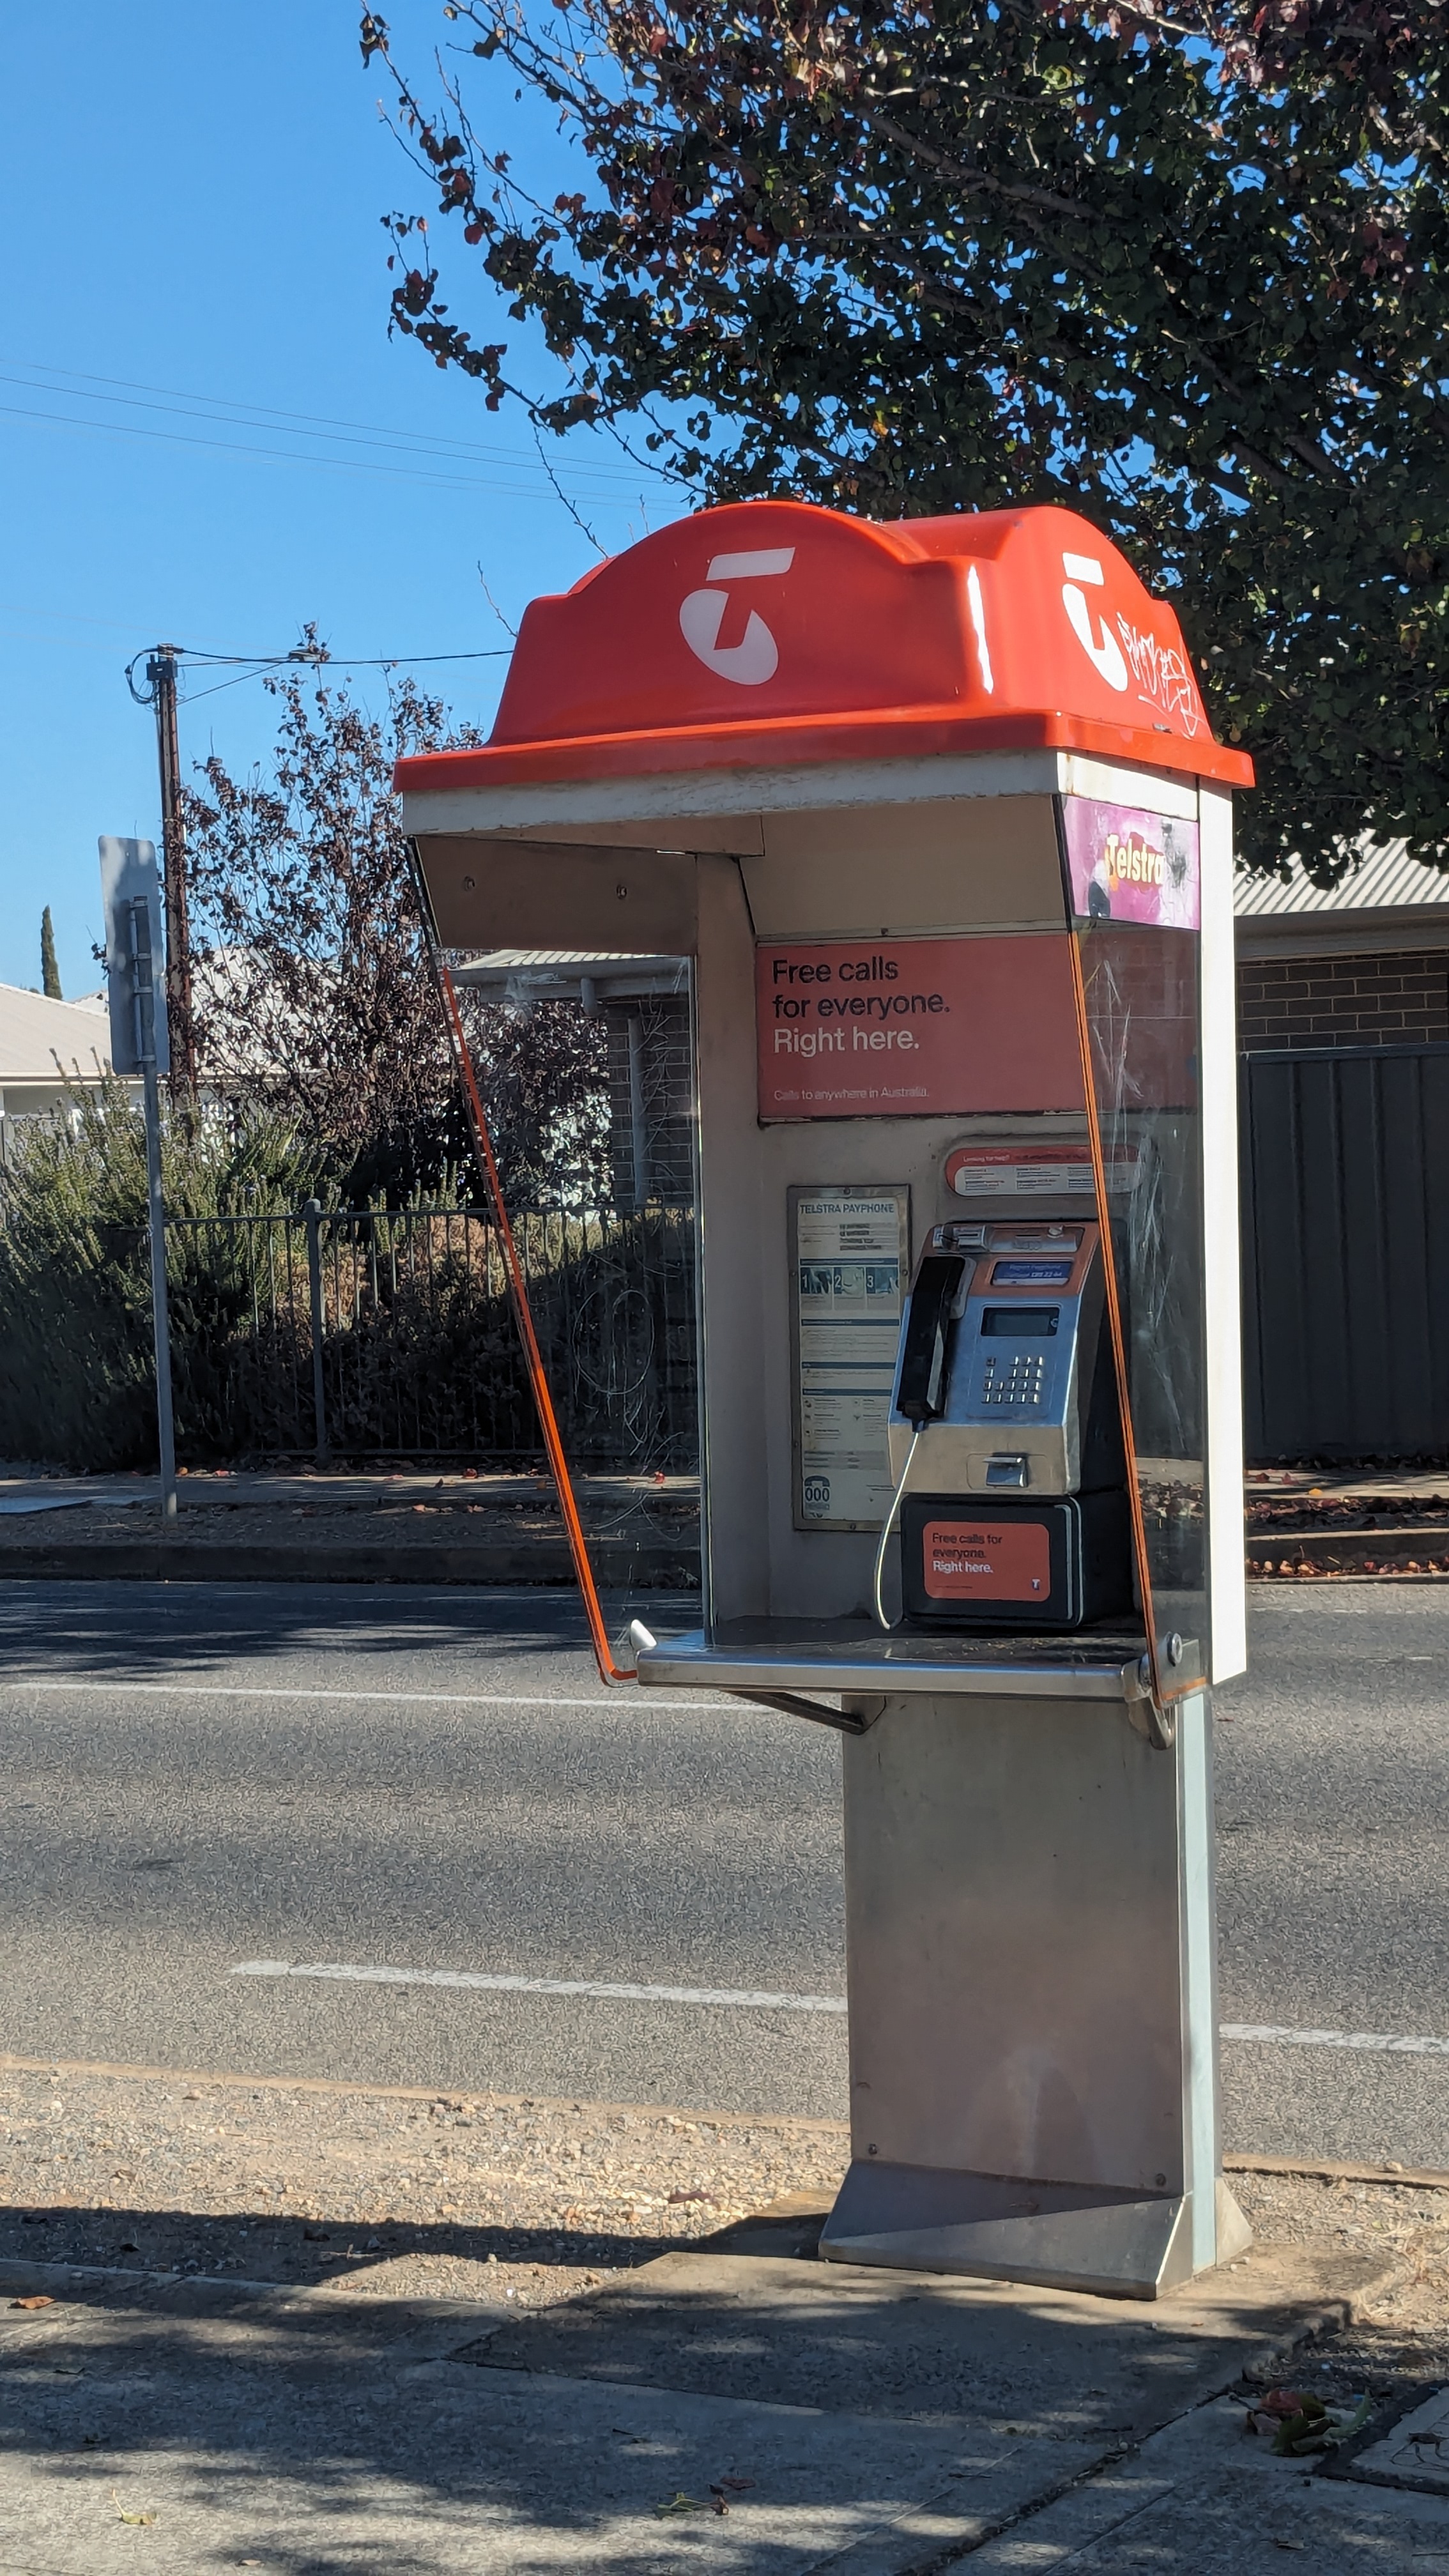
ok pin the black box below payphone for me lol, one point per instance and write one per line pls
(1056, 1563)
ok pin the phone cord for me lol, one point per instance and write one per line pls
(885, 1537)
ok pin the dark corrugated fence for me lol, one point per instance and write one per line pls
(1345, 1173)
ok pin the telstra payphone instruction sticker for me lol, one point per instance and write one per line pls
(912, 1028)
(850, 1248)
(1038, 1171)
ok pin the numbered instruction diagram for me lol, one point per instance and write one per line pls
(850, 1249)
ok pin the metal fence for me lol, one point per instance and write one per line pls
(389, 1334)
(1346, 1252)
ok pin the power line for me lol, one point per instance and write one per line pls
(610, 483)
(251, 415)
(252, 666)
(204, 653)
(275, 455)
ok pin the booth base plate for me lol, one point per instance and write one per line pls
(1063, 2236)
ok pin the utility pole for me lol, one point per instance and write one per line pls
(161, 672)
(143, 986)
(161, 679)
(139, 1045)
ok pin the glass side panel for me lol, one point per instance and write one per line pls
(1141, 987)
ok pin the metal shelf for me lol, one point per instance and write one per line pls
(848, 1655)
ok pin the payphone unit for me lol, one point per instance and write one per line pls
(934, 814)
(1005, 1397)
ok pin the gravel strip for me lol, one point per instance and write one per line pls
(1398, 2343)
(468, 2196)
(483, 2195)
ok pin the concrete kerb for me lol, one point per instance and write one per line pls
(538, 1563)
(870, 2423)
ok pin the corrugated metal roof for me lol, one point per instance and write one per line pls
(573, 960)
(1384, 879)
(561, 974)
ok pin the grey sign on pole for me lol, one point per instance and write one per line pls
(136, 986)
(131, 895)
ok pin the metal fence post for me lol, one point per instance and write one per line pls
(313, 1214)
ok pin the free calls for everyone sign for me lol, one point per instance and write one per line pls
(915, 1028)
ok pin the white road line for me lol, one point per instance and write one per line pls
(757, 1999)
(622, 1697)
(754, 1998)
(1373, 2043)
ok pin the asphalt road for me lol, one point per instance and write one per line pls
(196, 1777)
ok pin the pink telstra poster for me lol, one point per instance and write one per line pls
(1129, 866)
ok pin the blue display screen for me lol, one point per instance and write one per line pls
(1031, 1274)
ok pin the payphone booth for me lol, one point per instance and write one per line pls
(934, 811)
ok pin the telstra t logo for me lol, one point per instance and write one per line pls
(1102, 648)
(756, 657)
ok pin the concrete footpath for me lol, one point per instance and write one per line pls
(325, 1525)
(319, 1526)
(737, 2406)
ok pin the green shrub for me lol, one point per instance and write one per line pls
(420, 1351)
(77, 1380)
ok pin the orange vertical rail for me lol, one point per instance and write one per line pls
(609, 1671)
(1161, 1732)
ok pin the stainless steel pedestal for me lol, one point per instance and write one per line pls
(1033, 2058)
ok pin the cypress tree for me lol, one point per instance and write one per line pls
(49, 971)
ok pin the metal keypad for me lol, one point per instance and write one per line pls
(1016, 1378)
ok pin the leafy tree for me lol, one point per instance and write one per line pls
(1188, 273)
(312, 986)
(49, 971)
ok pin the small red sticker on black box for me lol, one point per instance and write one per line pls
(985, 1561)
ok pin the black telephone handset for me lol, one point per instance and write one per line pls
(936, 1300)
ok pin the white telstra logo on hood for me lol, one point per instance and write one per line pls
(756, 657)
(1101, 649)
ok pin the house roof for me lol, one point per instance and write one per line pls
(1384, 878)
(34, 1030)
(546, 974)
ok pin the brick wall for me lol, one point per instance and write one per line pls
(1343, 1001)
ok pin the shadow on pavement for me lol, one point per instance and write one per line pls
(156, 1631)
(296, 2252)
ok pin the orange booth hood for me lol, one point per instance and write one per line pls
(774, 633)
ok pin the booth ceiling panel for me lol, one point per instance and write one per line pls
(725, 835)
(483, 898)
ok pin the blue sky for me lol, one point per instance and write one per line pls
(192, 194)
